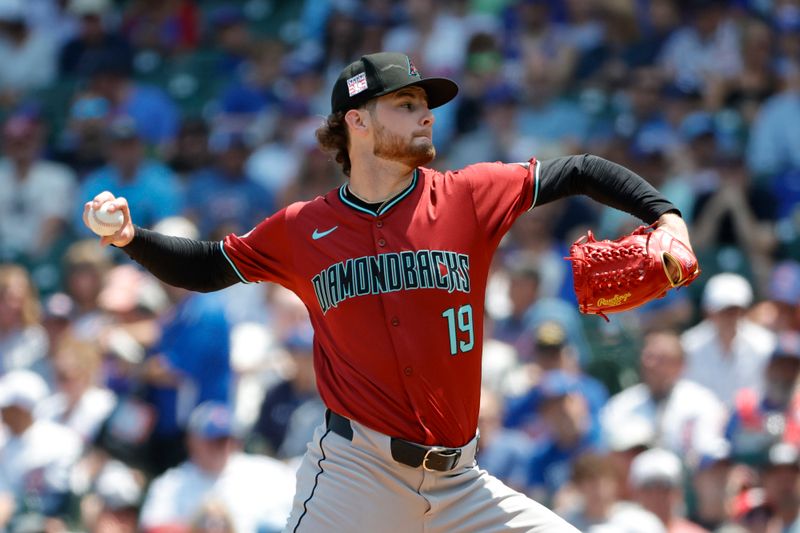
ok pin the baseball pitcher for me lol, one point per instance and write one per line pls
(392, 267)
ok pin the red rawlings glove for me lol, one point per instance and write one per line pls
(614, 276)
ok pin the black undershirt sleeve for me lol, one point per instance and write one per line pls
(195, 265)
(608, 183)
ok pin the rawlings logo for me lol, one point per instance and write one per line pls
(616, 300)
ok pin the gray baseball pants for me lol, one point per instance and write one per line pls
(355, 486)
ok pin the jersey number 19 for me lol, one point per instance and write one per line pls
(463, 320)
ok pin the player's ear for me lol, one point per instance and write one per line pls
(357, 120)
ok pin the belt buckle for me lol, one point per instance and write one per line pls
(438, 449)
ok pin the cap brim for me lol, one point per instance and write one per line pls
(439, 90)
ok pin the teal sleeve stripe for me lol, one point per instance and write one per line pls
(222, 247)
(535, 185)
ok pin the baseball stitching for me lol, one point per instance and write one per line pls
(100, 222)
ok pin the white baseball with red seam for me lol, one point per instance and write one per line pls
(104, 223)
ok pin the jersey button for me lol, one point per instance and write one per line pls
(381, 242)
(408, 371)
(395, 321)
(379, 223)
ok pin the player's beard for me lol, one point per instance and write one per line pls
(395, 148)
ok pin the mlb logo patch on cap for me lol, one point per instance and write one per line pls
(357, 83)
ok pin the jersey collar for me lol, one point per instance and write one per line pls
(391, 203)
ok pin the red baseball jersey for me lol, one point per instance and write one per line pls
(396, 298)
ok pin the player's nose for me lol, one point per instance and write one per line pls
(427, 119)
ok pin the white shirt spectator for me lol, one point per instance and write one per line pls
(691, 58)
(88, 415)
(256, 490)
(46, 192)
(690, 416)
(40, 458)
(29, 65)
(24, 349)
(725, 373)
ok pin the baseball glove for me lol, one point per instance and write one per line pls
(613, 276)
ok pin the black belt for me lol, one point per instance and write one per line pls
(408, 453)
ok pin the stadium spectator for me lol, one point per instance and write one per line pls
(766, 417)
(145, 182)
(522, 281)
(188, 364)
(552, 352)
(708, 47)
(109, 75)
(35, 194)
(94, 37)
(712, 485)
(190, 152)
(316, 176)
(283, 399)
(232, 38)
(27, 54)
(733, 224)
(254, 91)
(751, 510)
(168, 27)
(726, 352)
(770, 151)
(780, 478)
(78, 402)
(223, 198)
(756, 82)
(112, 504)
(624, 443)
(82, 143)
(570, 431)
(37, 455)
(85, 265)
(257, 491)
(657, 480)
(432, 34)
(496, 136)
(778, 311)
(503, 451)
(23, 340)
(597, 504)
(683, 414)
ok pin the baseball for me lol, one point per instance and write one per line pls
(104, 223)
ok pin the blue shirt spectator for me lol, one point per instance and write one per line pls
(223, 199)
(570, 432)
(109, 74)
(774, 145)
(195, 346)
(155, 113)
(150, 187)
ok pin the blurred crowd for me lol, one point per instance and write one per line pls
(129, 405)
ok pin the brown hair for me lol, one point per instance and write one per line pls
(334, 138)
(11, 274)
(591, 466)
(81, 355)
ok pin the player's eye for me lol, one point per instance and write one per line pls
(407, 105)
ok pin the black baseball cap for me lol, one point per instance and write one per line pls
(385, 72)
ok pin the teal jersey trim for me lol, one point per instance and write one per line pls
(402, 195)
(222, 247)
(384, 208)
(535, 185)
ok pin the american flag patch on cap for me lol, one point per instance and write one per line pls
(357, 84)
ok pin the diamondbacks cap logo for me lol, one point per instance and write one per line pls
(357, 84)
(412, 70)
